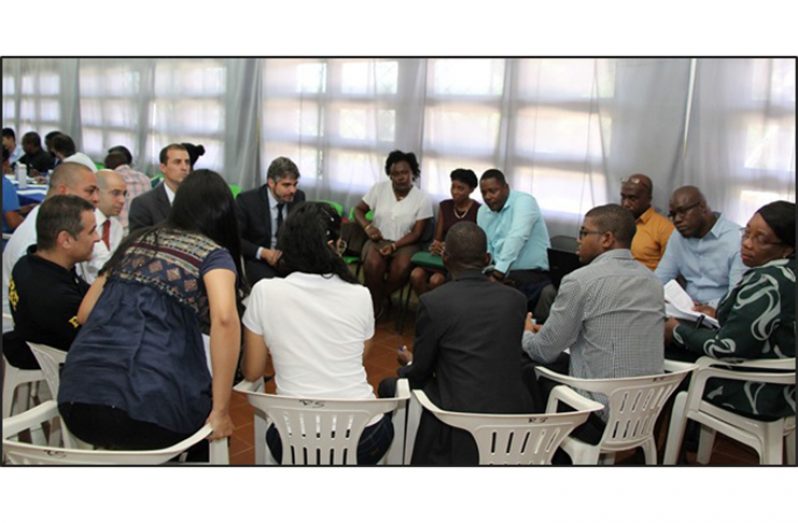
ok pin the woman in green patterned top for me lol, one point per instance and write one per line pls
(757, 317)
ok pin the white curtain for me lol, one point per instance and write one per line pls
(566, 130)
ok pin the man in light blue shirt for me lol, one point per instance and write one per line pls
(517, 236)
(706, 252)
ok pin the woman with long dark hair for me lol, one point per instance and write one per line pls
(314, 324)
(137, 376)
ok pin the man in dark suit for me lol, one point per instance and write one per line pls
(467, 350)
(260, 213)
(153, 206)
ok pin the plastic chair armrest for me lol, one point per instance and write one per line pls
(245, 386)
(30, 418)
(567, 395)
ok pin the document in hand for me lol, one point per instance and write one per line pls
(679, 305)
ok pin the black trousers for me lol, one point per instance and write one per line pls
(111, 428)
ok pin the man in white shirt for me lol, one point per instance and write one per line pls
(65, 151)
(68, 178)
(113, 193)
(120, 160)
(153, 206)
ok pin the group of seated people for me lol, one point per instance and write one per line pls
(152, 316)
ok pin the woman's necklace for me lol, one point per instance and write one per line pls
(460, 216)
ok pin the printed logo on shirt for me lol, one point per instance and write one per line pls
(13, 297)
(74, 322)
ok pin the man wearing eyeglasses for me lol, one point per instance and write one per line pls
(653, 229)
(610, 313)
(706, 252)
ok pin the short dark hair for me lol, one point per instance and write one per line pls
(615, 219)
(163, 157)
(8, 132)
(282, 167)
(466, 245)
(398, 156)
(495, 174)
(59, 213)
(466, 176)
(64, 144)
(124, 151)
(32, 138)
(303, 242)
(48, 138)
(115, 159)
(780, 217)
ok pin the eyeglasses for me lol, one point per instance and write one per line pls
(758, 239)
(682, 211)
(585, 232)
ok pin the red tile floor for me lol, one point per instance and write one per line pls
(381, 362)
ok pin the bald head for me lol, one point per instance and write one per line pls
(690, 213)
(466, 248)
(113, 192)
(74, 178)
(636, 192)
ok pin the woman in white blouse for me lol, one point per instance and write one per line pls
(314, 324)
(401, 211)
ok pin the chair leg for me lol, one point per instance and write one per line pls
(261, 452)
(772, 452)
(650, 451)
(790, 448)
(9, 386)
(413, 419)
(675, 430)
(706, 440)
(218, 453)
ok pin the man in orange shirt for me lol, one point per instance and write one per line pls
(653, 229)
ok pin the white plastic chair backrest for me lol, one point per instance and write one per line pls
(19, 453)
(317, 431)
(516, 439)
(633, 404)
(50, 360)
(774, 371)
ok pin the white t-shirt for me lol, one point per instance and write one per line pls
(315, 328)
(394, 218)
(16, 248)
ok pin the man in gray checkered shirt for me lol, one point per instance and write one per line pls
(610, 313)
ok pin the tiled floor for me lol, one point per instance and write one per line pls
(381, 362)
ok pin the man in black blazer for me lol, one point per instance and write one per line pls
(261, 211)
(153, 206)
(467, 350)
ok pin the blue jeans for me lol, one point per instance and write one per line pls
(371, 447)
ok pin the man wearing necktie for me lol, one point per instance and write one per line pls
(260, 214)
(113, 192)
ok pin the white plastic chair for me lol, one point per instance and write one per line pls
(50, 360)
(513, 439)
(318, 431)
(14, 378)
(19, 453)
(632, 410)
(766, 438)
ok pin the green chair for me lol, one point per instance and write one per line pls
(235, 189)
(100, 166)
(155, 180)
